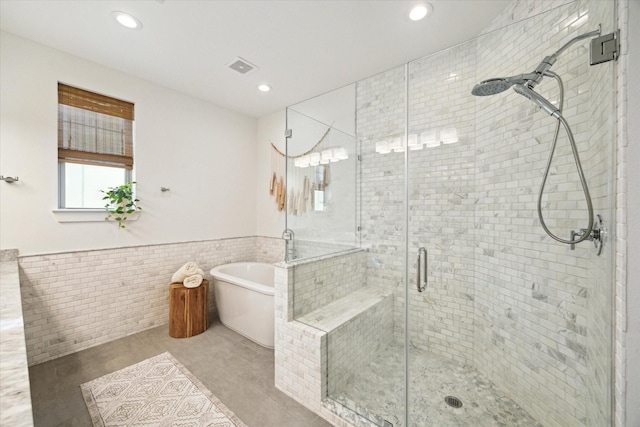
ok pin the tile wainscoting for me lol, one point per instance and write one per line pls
(75, 300)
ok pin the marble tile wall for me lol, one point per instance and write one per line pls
(381, 116)
(441, 192)
(308, 359)
(535, 298)
(442, 202)
(354, 344)
(319, 283)
(500, 289)
(298, 351)
(76, 300)
(269, 249)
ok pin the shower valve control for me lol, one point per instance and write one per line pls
(287, 234)
(596, 236)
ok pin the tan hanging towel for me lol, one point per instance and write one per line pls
(312, 195)
(273, 183)
(281, 195)
(291, 205)
(300, 202)
(305, 194)
(276, 192)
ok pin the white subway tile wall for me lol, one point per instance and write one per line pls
(309, 358)
(299, 371)
(442, 202)
(381, 116)
(76, 300)
(500, 289)
(321, 282)
(542, 309)
(354, 344)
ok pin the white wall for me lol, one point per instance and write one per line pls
(270, 222)
(204, 153)
(633, 213)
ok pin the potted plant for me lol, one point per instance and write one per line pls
(121, 203)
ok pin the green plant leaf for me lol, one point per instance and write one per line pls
(120, 202)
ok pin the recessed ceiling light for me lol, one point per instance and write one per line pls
(419, 11)
(264, 87)
(127, 20)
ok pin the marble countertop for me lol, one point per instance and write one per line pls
(15, 395)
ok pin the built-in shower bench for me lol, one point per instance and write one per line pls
(354, 328)
(335, 314)
(329, 325)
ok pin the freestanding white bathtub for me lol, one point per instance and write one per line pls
(244, 299)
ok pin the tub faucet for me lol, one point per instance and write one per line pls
(289, 244)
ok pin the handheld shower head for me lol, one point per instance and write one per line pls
(537, 99)
(500, 84)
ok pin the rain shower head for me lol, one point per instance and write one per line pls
(491, 87)
(530, 80)
(500, 84)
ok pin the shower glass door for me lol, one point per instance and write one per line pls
(442, 198)
(512, 327)
(440, 192)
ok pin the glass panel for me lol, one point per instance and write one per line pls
(321, 174)
(374, 384)
(441, 220)
(512, 324)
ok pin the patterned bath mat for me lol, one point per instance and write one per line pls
(158, 391)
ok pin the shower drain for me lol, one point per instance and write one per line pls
(453, 401)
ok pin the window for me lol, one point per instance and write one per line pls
(95, 146)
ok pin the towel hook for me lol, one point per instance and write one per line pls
(9, 179)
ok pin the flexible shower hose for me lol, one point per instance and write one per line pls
(587, 231)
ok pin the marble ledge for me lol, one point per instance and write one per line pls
(15, 394)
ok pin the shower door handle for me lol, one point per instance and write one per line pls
(422, 284)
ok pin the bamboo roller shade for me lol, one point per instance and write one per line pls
(94, 129)
(86, 100)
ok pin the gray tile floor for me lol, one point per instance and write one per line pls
(236, 370)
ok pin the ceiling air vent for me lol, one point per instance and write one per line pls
(241, 65)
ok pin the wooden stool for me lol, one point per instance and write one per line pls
(188, 310)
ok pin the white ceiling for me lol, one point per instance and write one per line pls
(302, 48)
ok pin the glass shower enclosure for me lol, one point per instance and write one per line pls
(465, 312)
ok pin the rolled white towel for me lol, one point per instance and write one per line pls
(200, 272)
(189, 269)
(193, 281)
